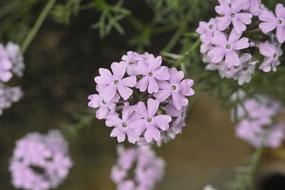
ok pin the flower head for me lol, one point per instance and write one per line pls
(40, 162)
(154, 110)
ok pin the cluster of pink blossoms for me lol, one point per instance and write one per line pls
(40, 162)
(244, 36)
(142, 100)
(11, 63)
(146, 167)
(257, 122)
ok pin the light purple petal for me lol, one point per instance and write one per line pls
(152, 133)
(143, 84)
(152, 87)
(119, 69)
(152, 106)
(241, 44)
(281, 34)
(129, 81)
(232, 59)
(280, 10)
(162, 121)
(125, 92)
(162, 73)
(105, 77)
(216, 54)
(108, 93)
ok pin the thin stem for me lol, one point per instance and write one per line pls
(171, 44)
(37, 25)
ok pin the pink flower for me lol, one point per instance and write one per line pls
(152, 72)
(271, 53)
(231, 14)
(115, 82)
(150, 122)
(177, 88)
(227, 48)
(271, 22)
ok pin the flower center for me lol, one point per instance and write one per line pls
(150, 74)
(124, 125)
(149, 120)
(211, 26)
(116, 82)
(233, 15)
(280, 21)
(173, 87)
(228, 46)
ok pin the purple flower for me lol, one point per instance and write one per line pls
(150, 121)
(271, 22)
(144, 169)
(231, 14)
(227, 48)
(123, 126)
(271, 53)
(151, 72)
(177, 88)
(115, 82)
(103, 109)
(45, 153)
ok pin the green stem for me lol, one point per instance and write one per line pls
(257, 159)
(171, 44)
(37, 25)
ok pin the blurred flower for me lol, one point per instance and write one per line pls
(11, 62)
(8, 96)
(257, 125)
(40, 162)
(137, 168)
(209, 187)
(154, 110)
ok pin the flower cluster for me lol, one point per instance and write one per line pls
(40, 162)
(142, 100)
(137, 169)
(11, 63)
(242, 38)
(257, 122)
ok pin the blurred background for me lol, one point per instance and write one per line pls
(61, 64)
